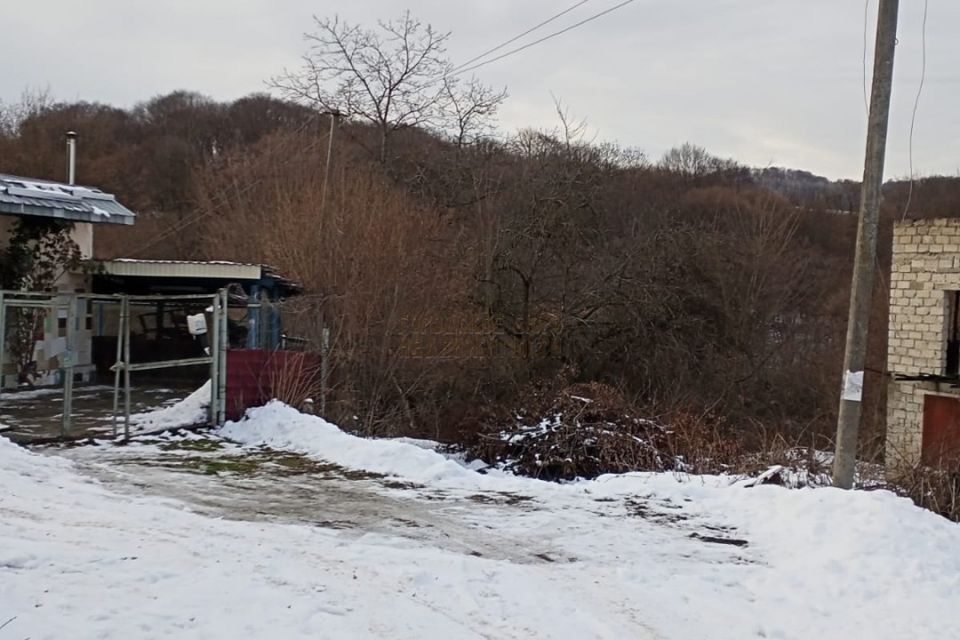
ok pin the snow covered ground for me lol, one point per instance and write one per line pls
(198, 537)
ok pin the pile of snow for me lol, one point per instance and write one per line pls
(280, 426)
(188, 412)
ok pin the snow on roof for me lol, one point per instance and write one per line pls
(32, 196)
(150, 261)
(182, 269)
(222, 269)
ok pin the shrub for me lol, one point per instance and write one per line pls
(936, 488)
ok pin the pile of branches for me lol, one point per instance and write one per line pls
(582, 431)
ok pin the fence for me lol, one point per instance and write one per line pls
(72, 354)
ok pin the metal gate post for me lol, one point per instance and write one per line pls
(118, 364)
(214, 332)
(126, 368)
(224, 345)
(68, 363)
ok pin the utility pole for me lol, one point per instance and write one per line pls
(325, 331)
(334, 115)
(848, 419)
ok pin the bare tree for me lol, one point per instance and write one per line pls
(394, 77)
(469, 109)
(32, 102)
(692, 161)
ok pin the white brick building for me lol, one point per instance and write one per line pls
(923, 402)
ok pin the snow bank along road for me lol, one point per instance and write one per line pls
(324, 535)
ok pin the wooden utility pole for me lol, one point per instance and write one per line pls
(848, 420)
(326, 171)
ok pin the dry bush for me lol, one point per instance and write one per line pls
(936, 488)
(293, 378)
(383, 273)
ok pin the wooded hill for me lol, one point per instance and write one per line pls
(454, 273)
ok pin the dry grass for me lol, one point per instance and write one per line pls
(936, 488)
(294, 378)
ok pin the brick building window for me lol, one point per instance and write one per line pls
(952, 333)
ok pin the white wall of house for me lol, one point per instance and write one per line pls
(51, 348)
(82, 234)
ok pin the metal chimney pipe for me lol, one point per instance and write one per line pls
(71, 157)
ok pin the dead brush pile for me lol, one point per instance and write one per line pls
(582, 431)
(567, 431)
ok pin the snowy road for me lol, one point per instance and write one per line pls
(217, 478)
(325, 535)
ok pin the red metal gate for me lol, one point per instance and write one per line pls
(252, 373)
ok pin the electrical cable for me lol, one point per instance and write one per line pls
(515, 38)
(543, 39)
(462, 69)
(866, 28)
(916, 105)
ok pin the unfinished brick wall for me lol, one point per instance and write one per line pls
(926, 265)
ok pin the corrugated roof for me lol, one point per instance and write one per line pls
(151, 261)
(181, 269)
(216, 269)
(35, 197)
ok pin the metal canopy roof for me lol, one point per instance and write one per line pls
(193, 270)
(34, 197)
(182, 269)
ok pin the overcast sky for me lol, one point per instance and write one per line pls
(768, 82)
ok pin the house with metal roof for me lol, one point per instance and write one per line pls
(33, 197)
(82, 206)
(255, 323)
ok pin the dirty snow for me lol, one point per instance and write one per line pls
(30, 393)
(482, 555)
(188, 412)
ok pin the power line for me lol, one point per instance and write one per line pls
(866, 27)
(458, 71)
(515, 38)
(916, 103)
(543, 39)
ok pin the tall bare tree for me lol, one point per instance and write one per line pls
(394, 77)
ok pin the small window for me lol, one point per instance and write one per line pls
(952, 367)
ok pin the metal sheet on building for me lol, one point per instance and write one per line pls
(34, 197)
(232, 271)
